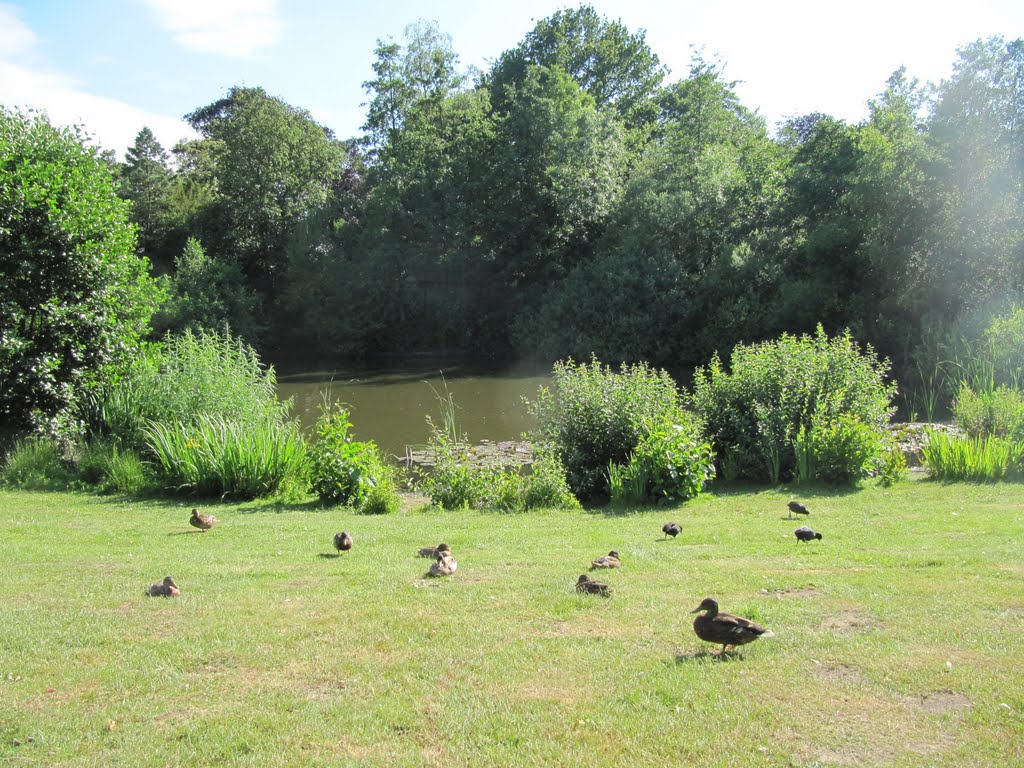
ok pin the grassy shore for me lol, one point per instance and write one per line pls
(898, 637)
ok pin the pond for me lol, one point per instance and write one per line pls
(390, 406)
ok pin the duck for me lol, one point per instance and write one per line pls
(586, 585)
(342, 541)
(671, 529)
(803, 533)
(165, 588)
(434, 551)
(796, 506)
(724, 628)
(202, 521)
(444, 565)
(611, 560)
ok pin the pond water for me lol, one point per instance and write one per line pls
(390, 406)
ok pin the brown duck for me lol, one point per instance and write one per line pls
(724, 628)
(435, 551)
(587, 586)
(342, 541)
(202, 521)
(611, 560)
(165, 588)
(444, 565)
(803, 533)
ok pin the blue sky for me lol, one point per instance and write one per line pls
(116, 65)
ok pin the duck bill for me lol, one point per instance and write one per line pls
(698, 609)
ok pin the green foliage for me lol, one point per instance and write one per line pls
(755, 414)
(995, 413)
(74, 299)
(592, 416)
(35, 463)
(214, 456)
(845, 449)
(108, 468)
(345, 471)
(892, 467)
(671, 464)
(190, 375)
(978, 459)
(546, 485)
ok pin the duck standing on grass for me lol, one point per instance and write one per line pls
(803, 533)
(587, 586)
(165, 588)
(671, 529)
(724, 628)
(342, 541)
(444, 565)
(796, 506)
(202, 521)
(611, 560)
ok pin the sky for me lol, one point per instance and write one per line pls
(114, 66)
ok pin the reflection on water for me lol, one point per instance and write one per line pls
(390, 407)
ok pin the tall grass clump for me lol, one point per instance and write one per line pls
(346, 471)
(996, 413)
(214, 456)
(593, 417)
(809, 404)
(35, 463)
(979, 459)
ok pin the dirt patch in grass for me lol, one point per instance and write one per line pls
(793, 592)
(942, 702)
(849, 622)
(837, 670)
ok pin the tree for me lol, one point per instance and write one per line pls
(75, 298)
(147, 181)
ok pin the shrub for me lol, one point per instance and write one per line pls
(671, 464)
(977, 459)
(845, 449)
(546, 484)
(755, 413)
(892, 466)
(593, 416)
(995, 413)
(205, 373)
(344, 471)
(104, 466)
(211, 456)
(35, 464)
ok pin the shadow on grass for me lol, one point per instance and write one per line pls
(703, 655)
(329, 555)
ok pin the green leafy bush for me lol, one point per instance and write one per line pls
(546, 485)
(593, 416)
(108, 468)
(212, 456)
(845, 449)
(892, 466)
(345, 471)
(754, 414)
(670, 464)
(36, 464)
(996, 413)
(982, 458)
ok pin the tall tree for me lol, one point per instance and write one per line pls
(146, 179)
(75, 298)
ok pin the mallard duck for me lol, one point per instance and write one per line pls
(586, 585)
(434, 551)
(342, 542)
(165, 588)
(201, 521)
(724, 628)
(671, 529)
(444, 565)
(611, 560)
(806, 534)
(796, 506)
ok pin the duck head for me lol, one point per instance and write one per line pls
(708, 604)
(613, 553)
(169, 582)
(583, 579)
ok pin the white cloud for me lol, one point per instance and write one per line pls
(111, 123)
(236, 28)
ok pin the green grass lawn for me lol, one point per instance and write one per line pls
(898, 637)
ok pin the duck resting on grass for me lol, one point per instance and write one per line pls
(671, 529)
(342, 541)
(444, 565)
(803, 533)
(796, 506)
(165, 588)
(723, 628)
(202, 521)
(611, 560)
(435, 551)
(587, 586)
